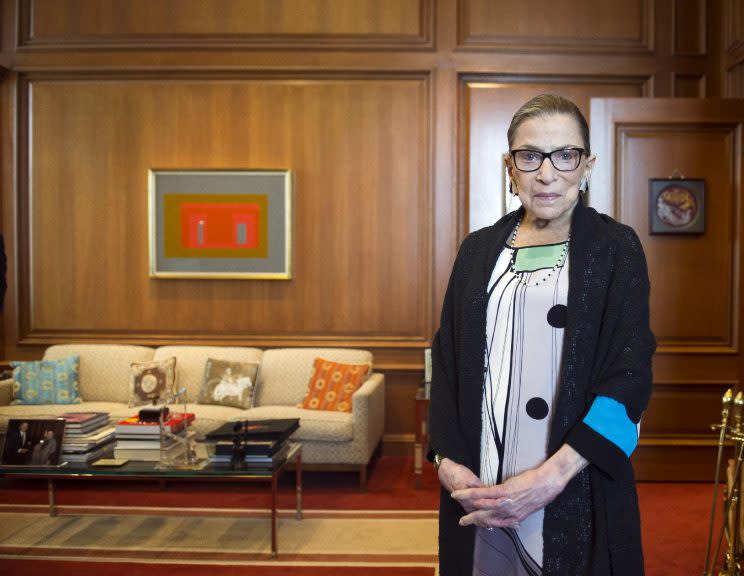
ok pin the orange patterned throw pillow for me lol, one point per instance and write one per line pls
(332, 384)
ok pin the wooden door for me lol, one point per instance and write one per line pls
(695, 277)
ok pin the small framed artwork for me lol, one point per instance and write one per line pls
(33, 442)
(221, 224)
(676, 206)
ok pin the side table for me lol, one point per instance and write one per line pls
(422, 433)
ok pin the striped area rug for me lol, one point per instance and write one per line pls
(675, 520)
(96, 568)
(398, 543)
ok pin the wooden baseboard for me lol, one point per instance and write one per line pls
(677, 463)
(655, 460)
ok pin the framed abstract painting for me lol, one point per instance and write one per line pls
(221, 224)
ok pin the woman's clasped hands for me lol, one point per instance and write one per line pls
(506, 505)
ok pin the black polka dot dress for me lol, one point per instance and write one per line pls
(526, 317)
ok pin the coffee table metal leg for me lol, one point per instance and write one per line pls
(298, 484)
(50, 489)
(274, 552)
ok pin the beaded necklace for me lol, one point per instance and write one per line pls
(522, 276)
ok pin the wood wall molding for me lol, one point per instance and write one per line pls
(609, 27)
(696, 369)
(690, 26)
(681, 412)
(735, 55)
(42, 337)
(689, 85)
(734, 33)
(268, 24)
(675, 442)
(681, 383)
(363, 197)
(662, 462)
(735, 81)
(733, 29)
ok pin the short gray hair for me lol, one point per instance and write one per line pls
(545, 105)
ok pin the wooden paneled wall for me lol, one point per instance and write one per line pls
(733, 33)
(391, 114)
(356, 203)
(227, 23)
(696, 312)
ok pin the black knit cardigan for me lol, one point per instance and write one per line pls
(593, 526)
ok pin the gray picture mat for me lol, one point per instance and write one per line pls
(273, 184)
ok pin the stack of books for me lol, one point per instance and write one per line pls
(88, 436)
(252, 446)
(140, 440)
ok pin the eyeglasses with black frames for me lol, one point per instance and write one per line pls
(563, 159)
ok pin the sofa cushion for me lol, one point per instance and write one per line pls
(104, 368)
(46, 381)
(191, 362)
(314, 424)
(332, 384)
(152, 382)
(228, 383)
(285, 372)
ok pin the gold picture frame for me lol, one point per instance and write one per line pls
(230, 224)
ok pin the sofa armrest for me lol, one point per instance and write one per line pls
(6, 392)
(368, 411)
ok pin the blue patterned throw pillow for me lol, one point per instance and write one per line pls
(46, 381)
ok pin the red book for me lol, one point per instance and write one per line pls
(80, 417)
(83, 422)
(175, 423)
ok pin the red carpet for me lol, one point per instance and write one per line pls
(674, 515)
(674, 523)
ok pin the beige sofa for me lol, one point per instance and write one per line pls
(337, 440)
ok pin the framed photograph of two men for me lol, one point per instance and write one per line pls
(221, 224)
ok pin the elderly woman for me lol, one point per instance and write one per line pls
(541, 372)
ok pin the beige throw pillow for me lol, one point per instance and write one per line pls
(229, 383)
(152, 381)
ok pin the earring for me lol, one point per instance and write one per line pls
(511, 197)
(583, 186)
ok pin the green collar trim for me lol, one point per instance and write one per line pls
(531, 258)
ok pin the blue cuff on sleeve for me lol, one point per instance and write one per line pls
(609, 418)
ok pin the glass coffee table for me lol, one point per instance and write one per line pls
(138, 470)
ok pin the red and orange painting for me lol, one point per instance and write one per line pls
(232, 224)
(217, 226)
